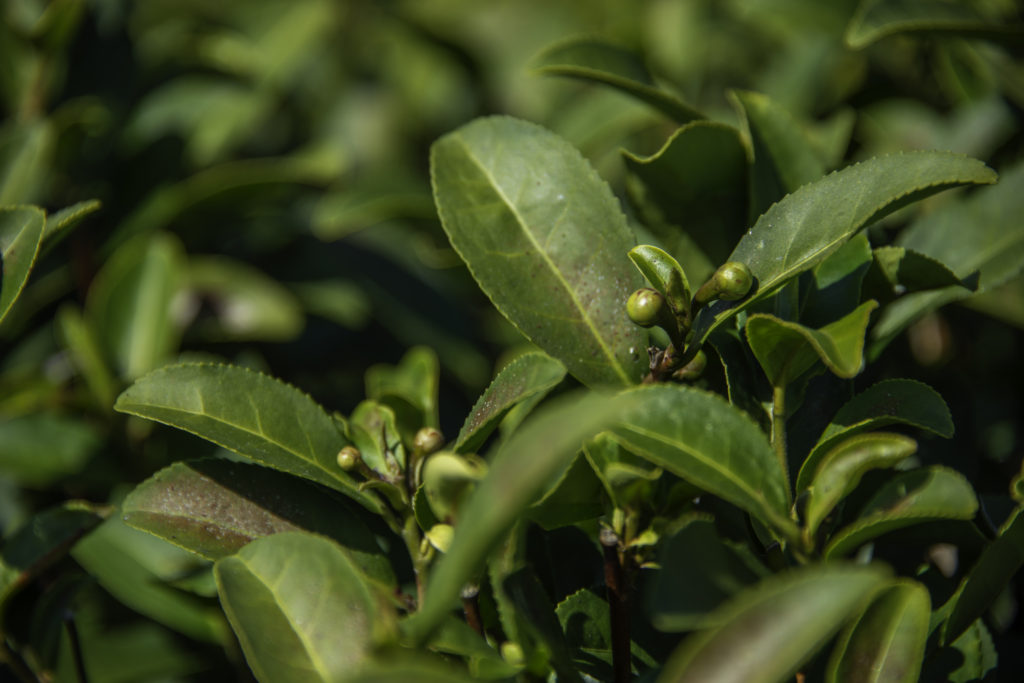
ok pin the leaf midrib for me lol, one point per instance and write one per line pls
(551, 265)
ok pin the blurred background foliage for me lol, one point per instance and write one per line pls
(260, 171)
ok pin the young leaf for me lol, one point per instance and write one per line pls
(886, 644)
(836, 284)
(80, 341)
(804, 608)
(699, 573)
(988, 577)
(877, 19)
(574, 498)
(809, 224)
(625, 477)
(786, 350)
(214, 507)
(374, 431)
(254, 415)
(300, 608)
(665, 275)
(21, 233)
(842, 468)
(784, 158)
(595, 60)
(523, 466)
(698, 183)
(993, 247)
(129, 303)
(908, 498)
(892, 401)
(546, 240)
(701, 438)
(60, 223)
(531, 374)
(906, 271)
(414, 381)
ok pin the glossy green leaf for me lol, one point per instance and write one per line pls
(129, 304)
(841, 469)
(80, 341)
(523, 467)
(665, 275)
(975, 655)
(697, 183)
(214, 507)
(892, 401)
(414, 380)
(596, 60)
(456, 637)
(137, 569)
(21, 234)
(254, 415)
(625, 477)
(991, 244)
(993, 571)
(909, 498)
(301, 609)
(877, 19)
(42, 540)
(699, 572)
(784, 159)
(701, 438)
(886, 644)
(42, 449)
(809, 224)
(786, 350)
(531, 374)
(546, 240)
(247, 304)
(803, 607)
(574, 498)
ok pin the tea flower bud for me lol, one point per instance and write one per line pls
(645, 306)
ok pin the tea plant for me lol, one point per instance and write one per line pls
(692, 471)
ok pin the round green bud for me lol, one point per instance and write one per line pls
(733, 280)
(644, 306)
(428, 440)
(348, 458)
(513, 653)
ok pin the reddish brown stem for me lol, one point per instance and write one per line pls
(618, 601)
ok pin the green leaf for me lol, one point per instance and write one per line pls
(886, 644)
(21, 233)
(408, 670)
(137, 568)
(247, 304)
(26, 151)
(699, 573)
(803, 607)
(784, 158)
(129, 303)
(214, 507)
(697, 183)
(414, 381)
(374, 431)
(546, 240)
(42, 540)
(892, 401)
(41, 449)
(664, 274)
(531, 374)
(836, 284)
(60, 223)
(626, 477)
(991, 244)
(786, 350)
(807, 225)
(913, 497)
(519, 473)
(457, 637)
(301, 609)
(905, 271)
(80, 341)
(595, 60)
(701, 438)
(575, 498)
(841, 469)
(527, 593)
(877, 19)
(254, 415)
(989, 577)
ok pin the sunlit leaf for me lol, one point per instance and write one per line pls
(21, 234)
(546, 240)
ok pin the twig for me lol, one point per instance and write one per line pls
(618, 602)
